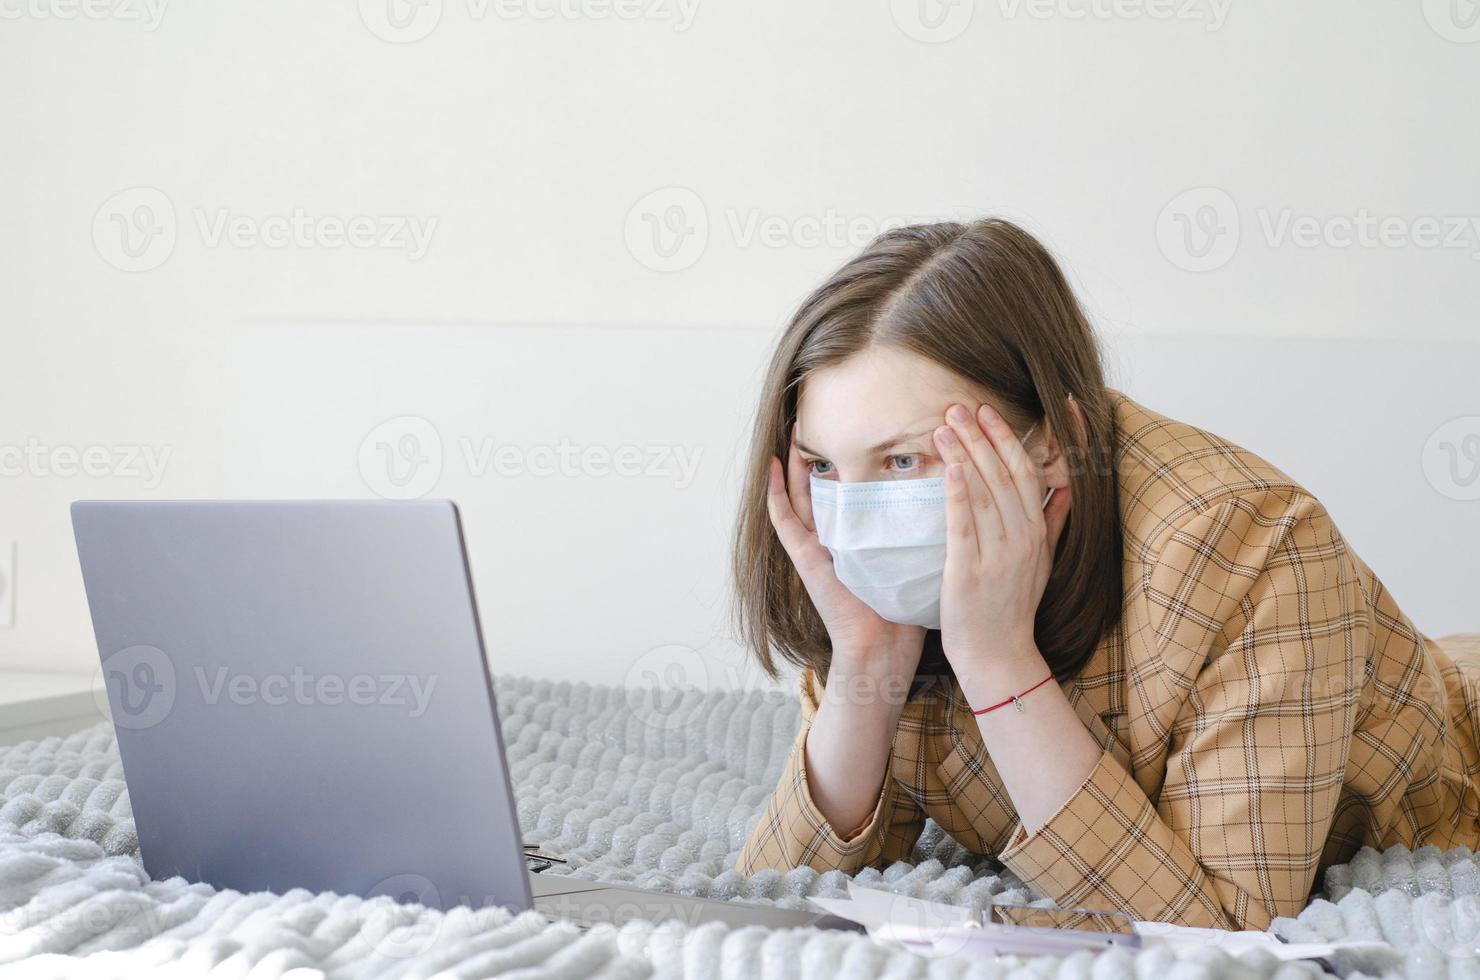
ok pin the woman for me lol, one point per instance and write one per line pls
(1135, 662)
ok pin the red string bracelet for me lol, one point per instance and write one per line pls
(1016, 699)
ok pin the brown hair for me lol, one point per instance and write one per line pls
(988, 302)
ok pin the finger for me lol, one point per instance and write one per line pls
(799, 484)
(994, 474)
(1026, 474)
(789, 528)
(962, 546)
(806, 552)
(984, 513)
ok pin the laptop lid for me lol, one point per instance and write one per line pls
(301, 698)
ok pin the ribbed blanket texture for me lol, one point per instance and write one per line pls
(659, 791)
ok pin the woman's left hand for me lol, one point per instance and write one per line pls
(1000, 542)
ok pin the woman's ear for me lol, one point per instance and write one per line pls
(1049, 452)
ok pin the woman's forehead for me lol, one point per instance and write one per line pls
(875, 395)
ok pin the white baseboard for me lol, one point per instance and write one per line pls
(39, 704)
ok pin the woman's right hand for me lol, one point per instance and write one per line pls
(847, 747)
(862, 640)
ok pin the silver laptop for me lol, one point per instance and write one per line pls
(302, 700)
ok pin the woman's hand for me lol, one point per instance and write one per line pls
(873, 660)
(1000, 543)
(861, 637)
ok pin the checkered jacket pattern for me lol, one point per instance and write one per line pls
(1265, 708)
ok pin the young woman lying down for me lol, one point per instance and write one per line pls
(1135, 662)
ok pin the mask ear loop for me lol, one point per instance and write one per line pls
(1031, 429)
(1049, 495)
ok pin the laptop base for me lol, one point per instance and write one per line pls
(589, 903)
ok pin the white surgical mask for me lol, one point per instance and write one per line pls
(888, 542)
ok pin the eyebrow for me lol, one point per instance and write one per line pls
(889, 443)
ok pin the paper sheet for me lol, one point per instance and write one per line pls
(934, 929)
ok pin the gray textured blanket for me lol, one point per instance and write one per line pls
(661, 795)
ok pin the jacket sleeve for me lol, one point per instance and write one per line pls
(1261, 626)
(793, 833)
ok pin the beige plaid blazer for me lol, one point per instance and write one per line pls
(1265, 709)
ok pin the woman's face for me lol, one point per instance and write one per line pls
(870, 417)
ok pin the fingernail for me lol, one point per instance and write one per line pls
(946, 436)
(957, 414)
(988, 412)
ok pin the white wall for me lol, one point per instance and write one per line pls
(532, 148)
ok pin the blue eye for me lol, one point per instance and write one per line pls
(816, 466)
(905, 461)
